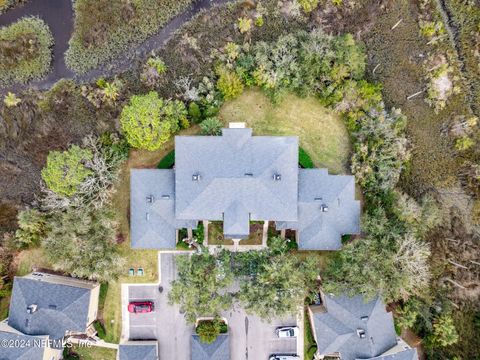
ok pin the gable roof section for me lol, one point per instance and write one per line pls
(407, 354)
(336, 329)
(218, 350)
(236, 171)
(60, 307)
(320, 230)
(33, 349)
(152, 208)
(140, 351)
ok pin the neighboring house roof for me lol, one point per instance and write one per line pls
(338, 329)
(138, 351)
(152, 207)
(318, 229)
(60, 305)
(233, 175)
(33, 348)
(407, 354)
(218, 350)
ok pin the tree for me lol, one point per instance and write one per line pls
(444, 332)
(388, 261)
(229, 83)
(11, 100)
(280, 283)
(82, 243)
(201, 286)
(32, 227)
(66, 170)
(149, 121)
(208, 330)
(211, 126)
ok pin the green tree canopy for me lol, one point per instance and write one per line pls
(32, 227)
(201, 284)
(66, 170)
(149, 121)
(82, 243)
(444, 332)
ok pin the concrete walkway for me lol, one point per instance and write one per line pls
(58, 14)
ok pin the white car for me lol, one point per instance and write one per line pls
(284, 357)
(287, 331)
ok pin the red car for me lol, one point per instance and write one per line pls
(140, 307)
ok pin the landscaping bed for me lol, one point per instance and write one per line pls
(25, 51)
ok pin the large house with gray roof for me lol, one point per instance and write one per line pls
(349, 328)
(49, 307)
(237, 178)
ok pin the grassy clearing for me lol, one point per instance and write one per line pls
(93, 353)
(25, 51)
(322, 133)
(30, 258)
(104, 29)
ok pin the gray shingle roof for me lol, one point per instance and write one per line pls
(152, 208)
(59, 308)
(133, 351)
(320, 230)
(31, 351)
(336, 329)
(236, 174)
(218, 350)
(408, 354)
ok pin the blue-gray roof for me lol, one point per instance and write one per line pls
(322, 230)
(218, 350)
(33, 349)
(337, 329)
(152, 208)
(407, 354)
(60, 307)
(141, 351)
(233, 175)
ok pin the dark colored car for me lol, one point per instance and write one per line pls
(140, 307)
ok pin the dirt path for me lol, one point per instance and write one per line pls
(58, 14)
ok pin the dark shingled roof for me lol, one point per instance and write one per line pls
(236, 178)
(60, 307)
(31, 351)
(336, 330)
(218, 350)
(322, 230)
(152, 208)
(142, 351)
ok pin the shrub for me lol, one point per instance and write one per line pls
(104, 29)
(244, 25)
(152, 70)
(66, 170)
(229, 84)
(32, 228)
(304, 159)
(308, 5)
(194, 112)
(149, 121)
(208, 330)
(11, 100)
(211, 126)
(25, 51)
(444, 332)
(168, 161)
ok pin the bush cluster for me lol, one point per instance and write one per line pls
(25, 51)
(104, 29)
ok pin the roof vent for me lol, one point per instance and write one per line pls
(165, 197)
(196, 177)
(147, 216)
(277, 177)
(318, 199)
(52, 307)
(364, 318)
(324, 208)
(361, 333)
(248, 174)
(31, 308)
(150, 199)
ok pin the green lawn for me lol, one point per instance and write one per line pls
(322, 133)
(93, 353)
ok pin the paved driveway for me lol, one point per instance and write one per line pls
(250, 337)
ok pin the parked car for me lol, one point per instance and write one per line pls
(287, 331)
(284, 357)
(140, 307)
